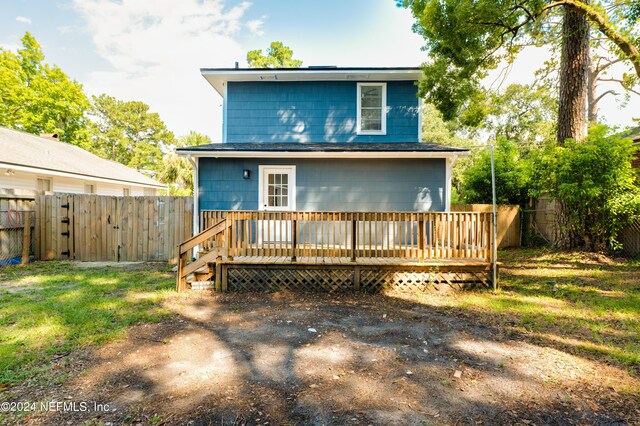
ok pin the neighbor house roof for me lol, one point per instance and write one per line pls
(27, 152)
(218, 77)
(324, 150)
(634, 135)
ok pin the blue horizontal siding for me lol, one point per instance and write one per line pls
(315, 111)
(330, 185)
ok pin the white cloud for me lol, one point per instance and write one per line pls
(23, 19)
(255, 26)
(10, 47)
(156, 50)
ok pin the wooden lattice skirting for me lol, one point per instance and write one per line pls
(369, 279)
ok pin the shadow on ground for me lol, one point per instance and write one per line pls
(307, 359)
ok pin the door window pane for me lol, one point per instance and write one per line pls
(277, 190)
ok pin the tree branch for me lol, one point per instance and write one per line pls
(605, 27)
(602, 95)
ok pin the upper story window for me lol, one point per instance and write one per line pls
(372, 109)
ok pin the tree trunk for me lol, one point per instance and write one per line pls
(572, 111)
(592, 93)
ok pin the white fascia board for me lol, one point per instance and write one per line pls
(360, 154)
(216, 78)
(78, 176)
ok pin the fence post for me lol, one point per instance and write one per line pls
(26, 239)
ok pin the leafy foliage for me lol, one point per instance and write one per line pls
(38, 97)
(278, 56)
(523, 113)
(595, 185)
(176, 170)
(513, 176)
(467, 38)
(127, 132)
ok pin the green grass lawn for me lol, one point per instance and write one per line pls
(582, 303)
(575, 302)
(49, 309)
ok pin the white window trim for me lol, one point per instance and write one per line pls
(383, 118)
(292, 187)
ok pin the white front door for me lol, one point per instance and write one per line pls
(277, 193)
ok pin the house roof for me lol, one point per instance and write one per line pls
(324, 150)
(24, 151)
(218, 77)
(634, 135)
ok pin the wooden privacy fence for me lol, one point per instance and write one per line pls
(107, 228)
(508, 221)
(418, 235)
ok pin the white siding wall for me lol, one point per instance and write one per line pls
(27, 180)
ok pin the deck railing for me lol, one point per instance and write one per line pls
(351, 235)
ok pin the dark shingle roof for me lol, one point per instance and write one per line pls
(322, 147)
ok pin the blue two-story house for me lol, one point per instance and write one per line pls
(321, 139)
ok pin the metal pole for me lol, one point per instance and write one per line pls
(495, 225)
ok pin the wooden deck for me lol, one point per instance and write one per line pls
(368, 261)
(337, 251)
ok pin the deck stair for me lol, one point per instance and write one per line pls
(210, 244)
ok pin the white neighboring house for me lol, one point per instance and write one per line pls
(30, 162)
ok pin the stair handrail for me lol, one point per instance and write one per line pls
(185, 247)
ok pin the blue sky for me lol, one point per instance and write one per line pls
(152, 50)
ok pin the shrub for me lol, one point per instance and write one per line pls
(595, 185)
(513, 176)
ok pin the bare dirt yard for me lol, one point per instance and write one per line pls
(319, 359)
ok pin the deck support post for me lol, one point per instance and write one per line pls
(218, 273)
(354, 233)
(356, 278)
(294, 239)
(225, 275)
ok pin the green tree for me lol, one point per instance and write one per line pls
(512, 171)
(40, 98)
(522, 113)
(278, 56)
(126, 132)
(467, 38)
(595, 185)
(436, 130)
(177, 171)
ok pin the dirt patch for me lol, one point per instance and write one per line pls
(278, 359)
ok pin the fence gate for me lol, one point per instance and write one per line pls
(108, 228)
